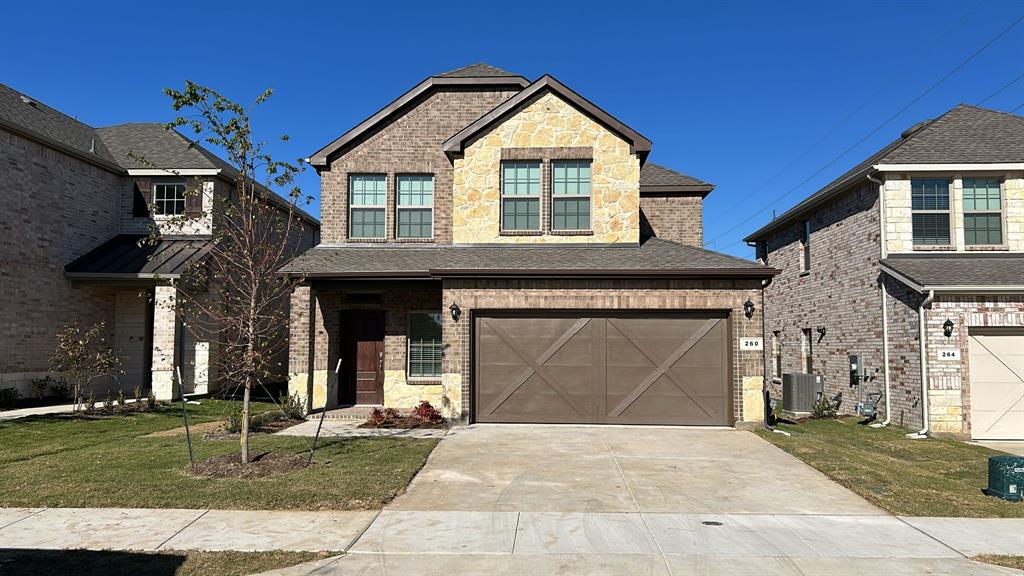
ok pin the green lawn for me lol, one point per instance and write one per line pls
(933, 477)
(61, 462)
(108, 563)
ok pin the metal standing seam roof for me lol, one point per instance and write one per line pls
(964, 135)
(654, 257)
(979, 270)
(128, 256)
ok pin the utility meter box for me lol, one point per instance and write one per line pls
(1006, 477)
(856, 369)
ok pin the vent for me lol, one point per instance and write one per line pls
(800, 392)
(914, 129)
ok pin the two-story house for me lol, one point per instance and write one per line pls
(914, 260)
(78, 204)
(502, 249)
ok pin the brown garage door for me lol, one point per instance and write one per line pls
(616, 368)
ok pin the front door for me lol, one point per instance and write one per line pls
(362, 357)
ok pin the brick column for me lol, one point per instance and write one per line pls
(164, 338)
(307, 354)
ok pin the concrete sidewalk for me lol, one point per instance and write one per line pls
(170, 529)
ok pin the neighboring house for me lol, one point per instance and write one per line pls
(502, 249)
(927, 233)
(76, 207)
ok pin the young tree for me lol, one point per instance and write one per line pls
(234, 296)
(83, 356)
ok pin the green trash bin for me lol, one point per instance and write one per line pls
(1006, 477)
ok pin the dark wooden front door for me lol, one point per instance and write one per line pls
(362, 356)
(602, 368)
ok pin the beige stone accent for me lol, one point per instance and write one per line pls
(400, 393)
(898, 214)
(165, 325)
(945, 411)
(320, 378)
(451, 386)
(753, 398)
(547, 122)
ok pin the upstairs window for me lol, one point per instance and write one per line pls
(415, 206)
(805, 246)
(169, 198)
(520, 196)
(930, 212)
(426, 351)
(570, 195)
(367, 200)
(983, 212)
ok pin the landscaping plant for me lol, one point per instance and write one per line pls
(426, 412)
(8, 398)
(39, 386)
(120, 399)
(257, 232)
(83, 356)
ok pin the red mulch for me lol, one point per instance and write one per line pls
(261, 466)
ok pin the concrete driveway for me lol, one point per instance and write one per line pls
(524, 499)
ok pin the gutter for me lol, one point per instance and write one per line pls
(884, 250)
(923, 432)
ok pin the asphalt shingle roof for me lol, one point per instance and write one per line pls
(976, 269)
(657, 175)
(478, 70)
(654, 257)
(964, 135)
(23, 111)
(162, 147)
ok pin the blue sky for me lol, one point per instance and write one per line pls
(754, 97)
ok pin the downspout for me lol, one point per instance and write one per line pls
(923, 432)
(884, 249)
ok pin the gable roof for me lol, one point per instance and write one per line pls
(25, 115)
(479, 74)
(963, 135)
(547, 83)
(655, 257)
(656, 178)
(158, 145)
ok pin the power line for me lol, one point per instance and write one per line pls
(875, 130)
(1017, 108)
(1005, 86)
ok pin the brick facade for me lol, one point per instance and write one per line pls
(675, 216)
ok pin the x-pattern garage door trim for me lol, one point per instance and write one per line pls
(662, 368)
(535, 366)
(999, 414)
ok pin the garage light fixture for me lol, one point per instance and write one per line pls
(456, 311)
(947, 328)
(748, 309)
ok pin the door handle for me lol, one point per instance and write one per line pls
(380, 361)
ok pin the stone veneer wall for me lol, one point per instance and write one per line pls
(899, 225)
(949, 388)
(601, 295)
(673, 216)
(409, 144)
(547, 122)
(56, 208)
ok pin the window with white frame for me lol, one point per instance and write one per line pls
(415, 206)
(169, 198)
(426, 352)
(570, 195)
(367, 205)
(520, 196)
(930, 211)
(983, 212)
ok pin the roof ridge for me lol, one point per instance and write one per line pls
(991, 110)
(41, 103)
(487, 71)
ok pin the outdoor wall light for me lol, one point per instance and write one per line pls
(947, 327)
(456, 311)
(821, 332)
(748, 309)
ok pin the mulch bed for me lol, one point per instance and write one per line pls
(261, 466)
(405, 422)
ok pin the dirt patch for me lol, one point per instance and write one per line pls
(204, 428)
(220, 433)
(262, 465)
(406, 422)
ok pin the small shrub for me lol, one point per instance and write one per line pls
(260, 421)
(377, 417)
(108, 403)
(292, 406)
(425, 412)
(90, 402)
(60, 388)
(825, 407)
(120, 398)
(8, 398)
(151, 400)
(391, 414)
(233, 424)
(138, 395)
(39, 386)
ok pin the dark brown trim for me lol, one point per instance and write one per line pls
(638, 144)
(689, 189)
(319, 158)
